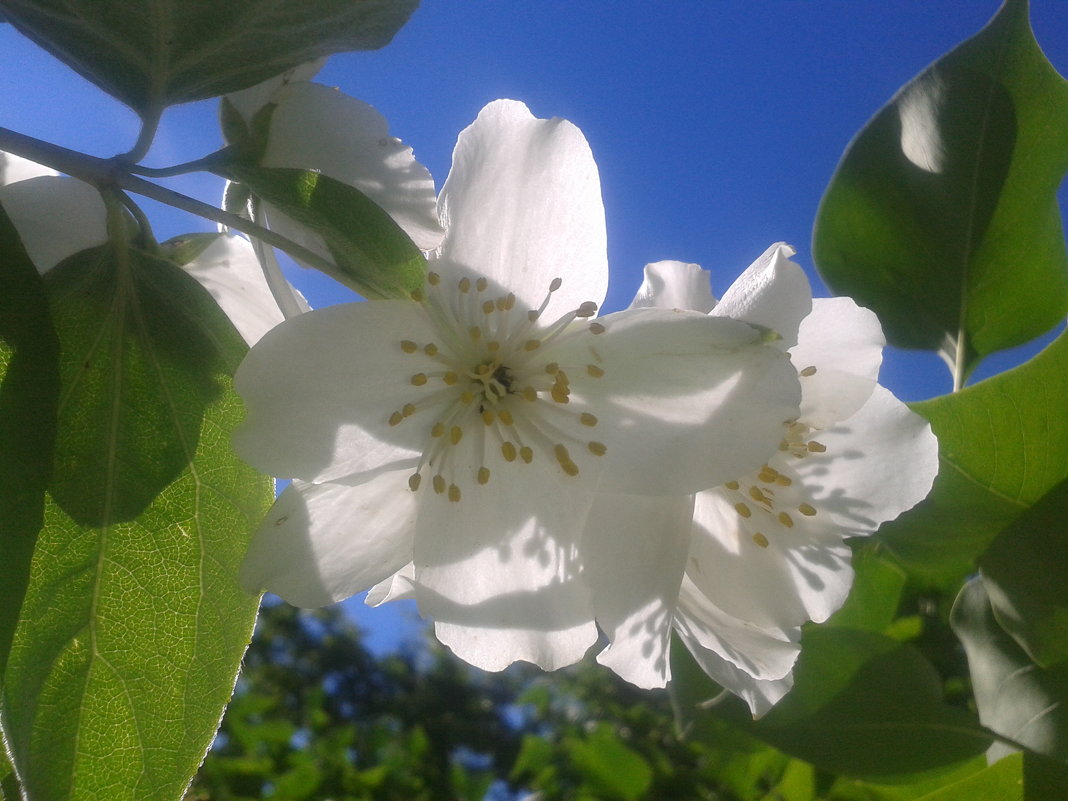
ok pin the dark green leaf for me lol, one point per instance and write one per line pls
(155, 53)
(1044, 778)
(942, 215)
(29, 394)
(876, 593)
(1003, 444)
(862, 704)
(610, 768)
(372, 253)
(1016, 698)
(133, 627)
(1025, 570)
(187, 247)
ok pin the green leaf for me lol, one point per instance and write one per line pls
(1024, 572)
(999, 782)
(610, 768)
(1015, 697)
(133, 627)
(29, 394)
(371, 252)
(942, 215)
(1003, 444)
(862, 705)
(154, 53)
(1044, 778)
(873, 602)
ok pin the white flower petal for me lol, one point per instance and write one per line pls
(399, 586)
(773, 292)
(321, 388)
(675, 285)
(321, 543)
(229, 270)
(687, 401)
(879, 463)
(844, 342)
(248, 101)
(522, 206)
(634, 553)
(15, 168)
(56, 217)
(499, 572)
(315, 127)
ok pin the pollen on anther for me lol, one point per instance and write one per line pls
(806, 510)
(487, 416)
(455, 435)
(757, 495)
(431, 349)
(493, 346)
(467, 397)
(594, 370)
(481, 284)
(743, 510)
(526, 453)
(454, 493)
(563, 458)
(533, 315)
(559, 394)
(529, 394)
(786, 520)
(438, 430)
(433, 278)
(505, 417)
(808, 371)
(816, 447)
(395, 418)
(439, 484)
(588, 419)
(408, 346)
(417, 295)
(414, 480)
(760, 540)
(408, 410)
(732, 485)
(450, 378)
(552, 368)
(508, 451)
(596, 448)
(464, 285)
(531, 344)
(476, 333)
(783, 481)
(483, 475)
(418, 379)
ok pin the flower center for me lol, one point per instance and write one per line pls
(496, 386)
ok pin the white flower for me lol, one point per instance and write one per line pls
(452, 446)
(762, 554)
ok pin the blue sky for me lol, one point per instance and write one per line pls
(716, 124)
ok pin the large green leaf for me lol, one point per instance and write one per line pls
(1016, 698)
(1025, 572)
(608, 767)
(371, 253)
(1001, 781)
(29, 394)
(942, 215)
(862, 704)
(133, 625)
(154, 53)
(1003, 444)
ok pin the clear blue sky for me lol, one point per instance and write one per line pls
(716, 124)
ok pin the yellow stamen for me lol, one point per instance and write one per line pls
(760, 540)
(786, 520)
(455, 435)
(395, 418)
(508, 451)
(743, 510)
(413, 481)
(594, 370)
(587, 419)
(439, 484)
(418, 379)
(596, 448)
(408, 346)
(483, 475)
(454, 493)
(806, 510)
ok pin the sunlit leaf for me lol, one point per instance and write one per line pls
(371, 253)
(29, 394)
(876, 593)
(863, 705)
(610, 768)
(1024, 571)
(1003, 443)
(1016, 698)
(154, 53)
(999, 782)
(942, 215)
(133, 625)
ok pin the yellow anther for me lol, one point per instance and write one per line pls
(464, 285)
(508, 451)
(552, 368)
(768, 475)
(433, 279)
(758, 496)
(806, 510)
(476, 333)
(413, 481)
(431, 349)
(531, 344)
(526, 453)
(816, 447)
(783, 481)
(596, 448)
(439, 484)
(455, 435)
(493, 346)
(760, 540)
(417, 295)
(559, 394)
(450, 378)
(509, 302)
(596, 328)
(743, 510)
(483, 370)
(808, 371)
(454, 493)
(487, 416)
(563, 458)
(438, 430)
(418, 379)
(555, 284)
(588, 419)
(467, 397)
(481, 284)
(505, 417)
(483, 475)
(395, 418)
(786, 520)
(408, 346)
(594, 370)
(533, 315)
(732, 485)
(408, 410)
(529, 394)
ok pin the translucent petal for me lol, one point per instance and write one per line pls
(686, 401)
(321, 543)
(844, 342)
(634, 553)
(315, 127)
(248, 101)
(321, 388)
(522, 206)
(15, 168)
(773, 292)
(499, 570)
(675, 285)
(399, 586)
(56, 217)
(879, 463)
